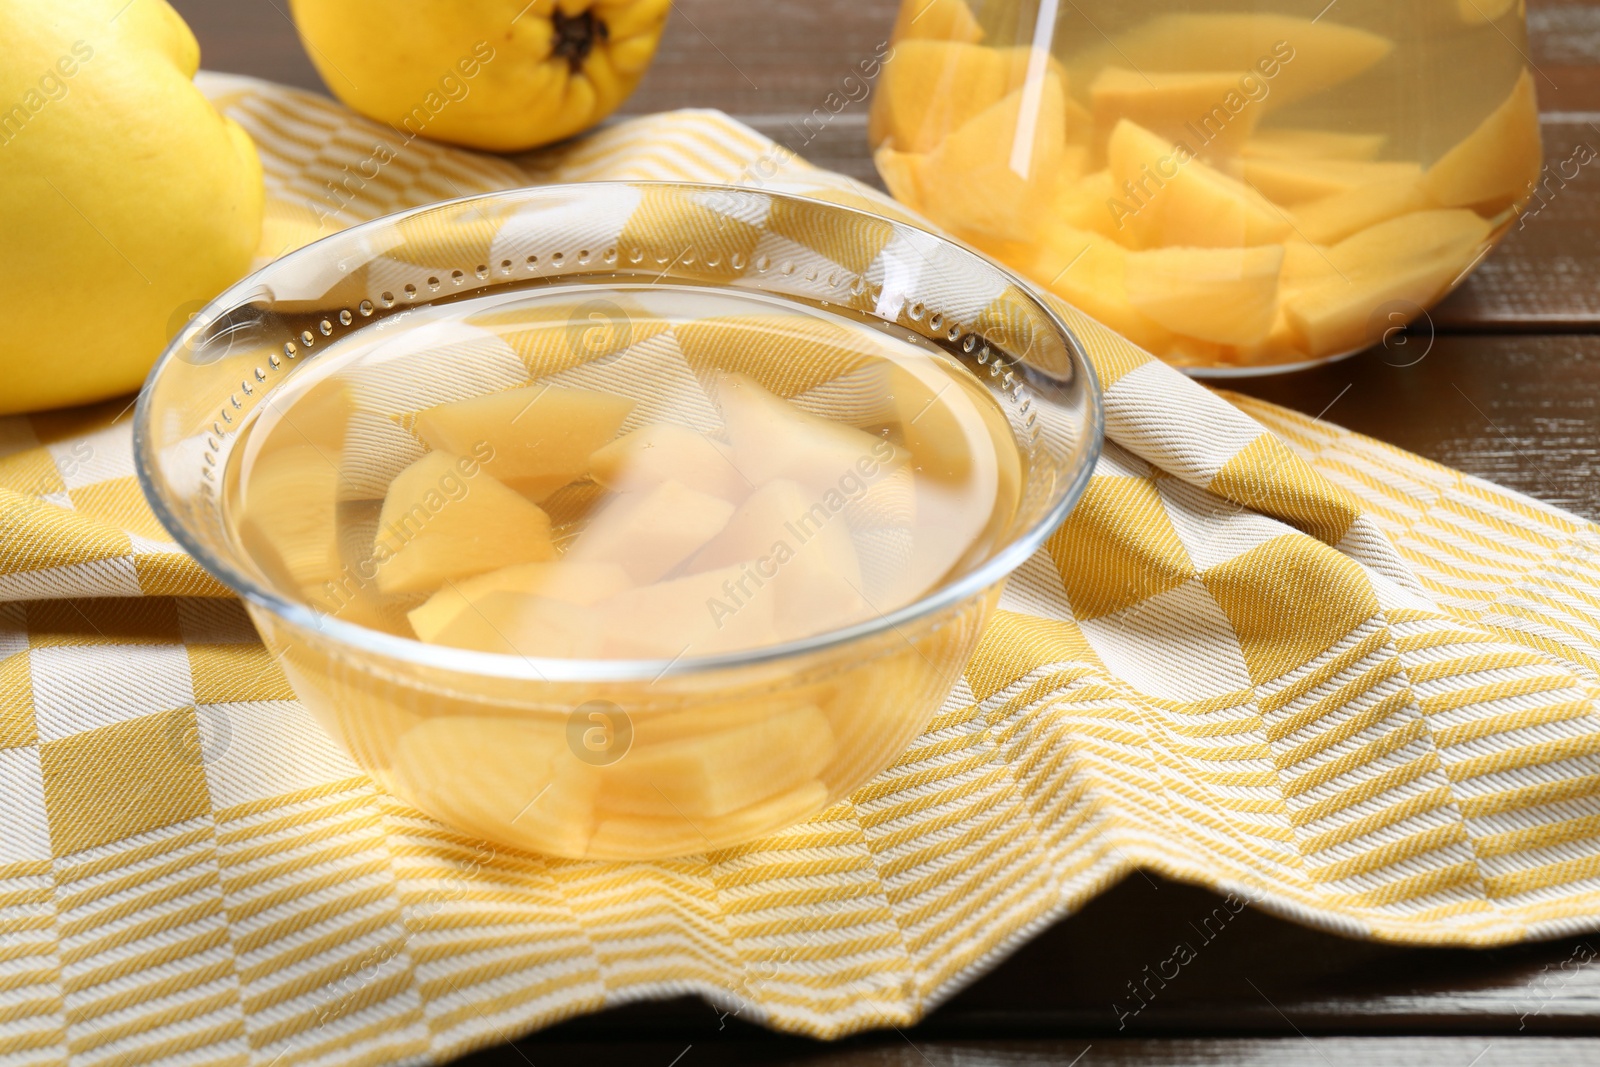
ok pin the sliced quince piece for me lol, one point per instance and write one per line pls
(1304, 265)
(1296, 57)
(516, 624)
(931, 87)
(1496, 164)
(644, 836)
(289, 511)
(1074, 159)
(1413, 258)
(1336, 217)
(664, 451)
(1178, 106)
(939, 441)
(995, 175)
(702, 614)
(1080, 134)
(440, 523)
(1295, 143)
(1224, 295)
(899, 172)
(781, 519)
(1336, 316)
(955, 525)
(1281, 345)
(801, 546)
(584, 584)
(713, 714)
(913, 524)
(321, 417)
(922, 402)
(510, 778)
(1480, 12)
(540, 436)
(1294, 181)
(649, 533)
(773, 751)
(1186, 351)
(1085, 203)
(935, 20)
(1452, 233)
(1090, 272)
(774, 439)
(1168, 197)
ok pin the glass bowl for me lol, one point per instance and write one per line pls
(1238, 186)
(617, 759)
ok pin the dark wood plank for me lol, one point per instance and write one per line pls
(1542, 276)
(1523, 411)
(255, 37)
(761, 59)
(1108, 972)
(770, 59)
(894, 1051)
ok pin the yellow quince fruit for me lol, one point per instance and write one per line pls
(501, 75)
(125, 198)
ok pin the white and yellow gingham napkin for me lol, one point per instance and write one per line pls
(1264, 654)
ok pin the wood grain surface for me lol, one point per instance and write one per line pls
(1502, 381)
(902, 1051)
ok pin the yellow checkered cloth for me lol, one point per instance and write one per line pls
(1264, 654)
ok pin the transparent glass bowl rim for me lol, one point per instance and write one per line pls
(501, 665)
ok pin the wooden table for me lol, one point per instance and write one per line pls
(1508, 389)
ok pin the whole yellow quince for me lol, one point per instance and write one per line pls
(125, 198)
(501, 75)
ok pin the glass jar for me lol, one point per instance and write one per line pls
(1239, 186)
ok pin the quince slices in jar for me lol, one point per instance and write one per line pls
(1170, 104)
(931, 88)
(1412, 258)
(1496, 164)
(1225, 295)
(1336, 217)
(1307, 55)
(899, 171)
(1453, 234)
(994, 176)
(1090, 272)
(936, 20)
(1083, 203)
(1168, 197)
(1295, 181)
